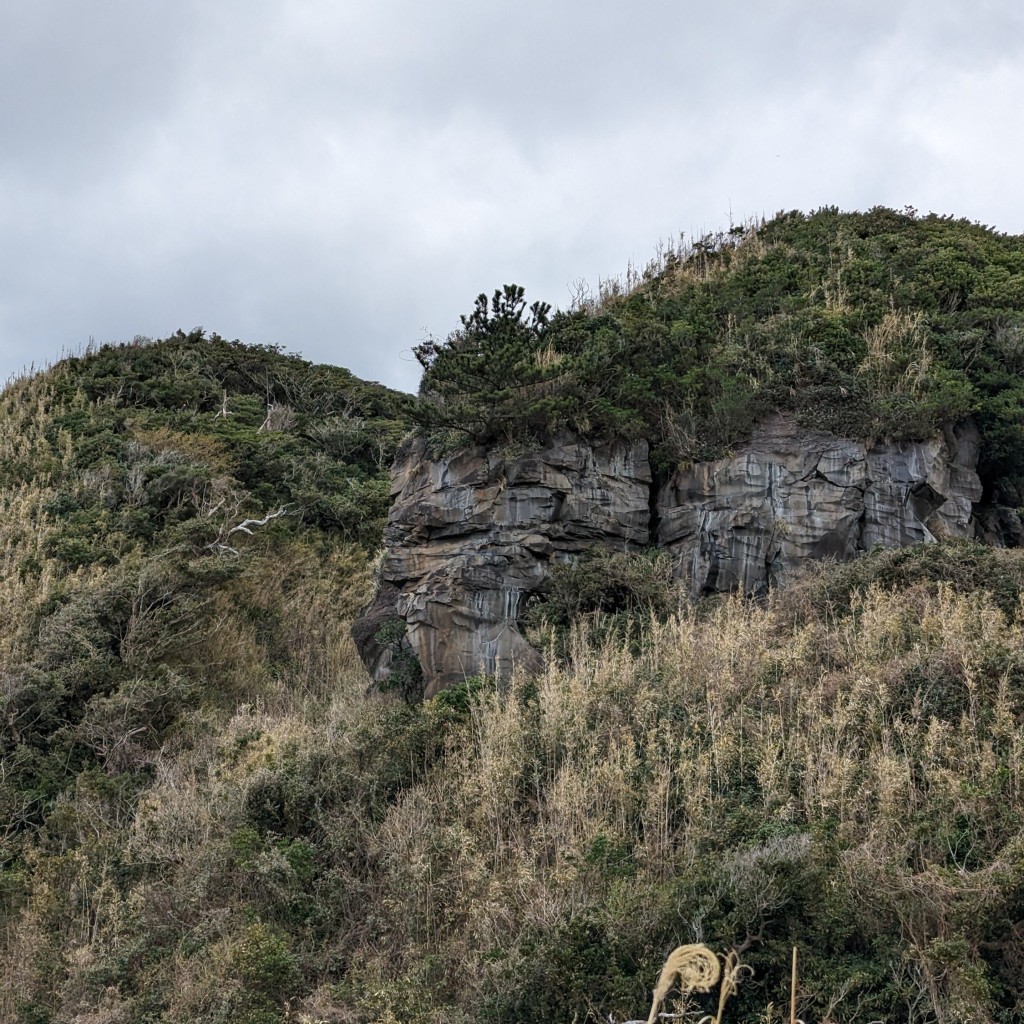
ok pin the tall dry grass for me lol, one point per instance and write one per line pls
(744, 772)
(898, 726)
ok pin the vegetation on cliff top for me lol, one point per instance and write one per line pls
(864, 324)
(204, 817)
(144, 490)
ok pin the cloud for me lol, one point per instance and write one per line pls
(340, 178)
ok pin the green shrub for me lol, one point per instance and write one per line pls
(405, 677)
(558, 972)
(825, 589)
(616, 594)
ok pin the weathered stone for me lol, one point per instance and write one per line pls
(747, 521)
(471, 536)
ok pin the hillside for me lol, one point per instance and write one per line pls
(806, 388)
(863, 324)
(208, 818)
(176, 516)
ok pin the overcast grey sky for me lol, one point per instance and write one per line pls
(343, 178)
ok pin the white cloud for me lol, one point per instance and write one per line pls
(338, 177)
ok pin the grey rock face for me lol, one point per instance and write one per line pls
(472, 535)
(747, 521)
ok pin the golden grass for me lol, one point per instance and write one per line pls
(493, 843)
(690, 968)
(898, 358)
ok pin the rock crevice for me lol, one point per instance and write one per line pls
(472, 535)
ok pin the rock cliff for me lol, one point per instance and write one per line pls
(746, 522)
(472, 535)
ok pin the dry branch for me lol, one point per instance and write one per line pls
(247, 526)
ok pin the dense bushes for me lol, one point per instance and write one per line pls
(824, 588)
(617, 595)
(144, 490)
(841, 773)
(137, 438)
(865, 324)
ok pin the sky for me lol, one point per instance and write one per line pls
(344, 178)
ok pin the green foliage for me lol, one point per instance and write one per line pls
(183, 423)
(966, 567)
(610, 582)
(458, 700)
(864, 324)
(559, 971)
(498, 376)
(406, 674)
(165, 505)
(839, 771)
(618, 595)
(613, 858)
(264, 964)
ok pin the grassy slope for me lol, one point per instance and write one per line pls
(211, 821)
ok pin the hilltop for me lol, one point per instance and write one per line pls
(170, 512)
(208, 818)
(878, 324)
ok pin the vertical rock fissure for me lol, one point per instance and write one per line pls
(862, 520)
(658, 479)
(467, 546)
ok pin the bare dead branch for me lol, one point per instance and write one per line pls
(246, 526)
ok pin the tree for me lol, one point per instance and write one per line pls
(498, 377)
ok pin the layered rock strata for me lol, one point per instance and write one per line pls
(470, 536)
(748, 521)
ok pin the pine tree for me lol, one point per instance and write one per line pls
(499, 376)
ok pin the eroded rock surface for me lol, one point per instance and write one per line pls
(472, 535)
(747, 521)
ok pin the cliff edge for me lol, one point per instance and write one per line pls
(472, 535)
